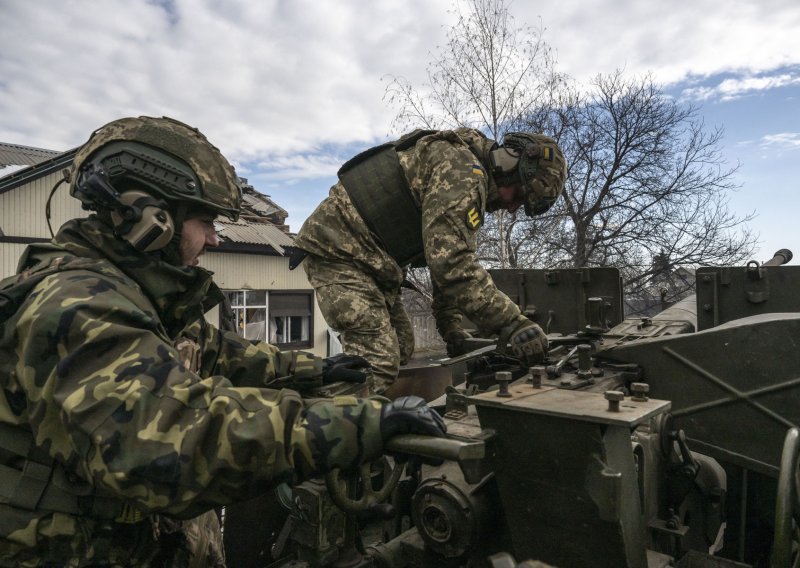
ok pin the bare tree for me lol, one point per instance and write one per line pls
(646, 183)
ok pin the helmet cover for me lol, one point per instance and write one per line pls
(158, 155)
(541, 168)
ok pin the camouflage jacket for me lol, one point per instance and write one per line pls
(89, 366)
(447, 176)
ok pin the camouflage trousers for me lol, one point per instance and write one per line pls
(82, 542)
(371, 320)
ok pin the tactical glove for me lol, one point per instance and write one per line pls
(410, 415)
(454, 341)
(528, 341)
(346, 368)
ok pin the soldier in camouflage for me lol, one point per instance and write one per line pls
(125, 418)
(417, 201)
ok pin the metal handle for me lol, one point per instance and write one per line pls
(449, 448)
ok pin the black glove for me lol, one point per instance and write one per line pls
(346, 368)
(528, 341)
(410, 415)
(454, 340)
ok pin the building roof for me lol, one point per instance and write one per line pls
(20, 177)
(253, 233)
(16, 155)
(260, 203)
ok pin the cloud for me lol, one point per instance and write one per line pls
(734, 88)
(261, 78)
(300, 167)
(673, 40)
(781, 141)
(256, 77)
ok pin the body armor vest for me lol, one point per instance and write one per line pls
(377, 187)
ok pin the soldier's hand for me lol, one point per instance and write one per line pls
(410, 415)
(528, 341)
(454, 341)
(346, 368)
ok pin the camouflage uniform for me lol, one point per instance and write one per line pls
(358, 283)
(112, 369)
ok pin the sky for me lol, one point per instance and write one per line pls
(290, 89)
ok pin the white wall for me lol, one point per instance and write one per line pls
(22, 210)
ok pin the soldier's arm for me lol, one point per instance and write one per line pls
(445, 312)
(452, 209)
(249, 363)
(110, 398)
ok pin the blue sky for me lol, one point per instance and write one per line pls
(290, 89)
(762, 135)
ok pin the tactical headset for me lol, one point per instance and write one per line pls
(535, 162)
(139, 218)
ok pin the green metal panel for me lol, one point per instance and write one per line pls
(735, 388)
(730, 293)
(560, 297)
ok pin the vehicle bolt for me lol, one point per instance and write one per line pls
(584, 357)
(503, 378)
(614, 397)
(707, 278)
(707, 307)
(536, 376)
(640, 391)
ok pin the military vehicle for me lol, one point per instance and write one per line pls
(643, 442)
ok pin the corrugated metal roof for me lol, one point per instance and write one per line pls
(253, 233)
(20, 177)
(262, 204)
(16, 155)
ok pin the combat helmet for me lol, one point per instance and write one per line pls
(535, 161)
(160, 156)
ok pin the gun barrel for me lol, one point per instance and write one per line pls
(780, 257)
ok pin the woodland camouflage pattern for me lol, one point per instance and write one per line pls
(358, 283)
(88, 364)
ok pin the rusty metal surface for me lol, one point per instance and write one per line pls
(575, 405)
(422, 379)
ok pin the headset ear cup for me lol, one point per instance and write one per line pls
(153, 226)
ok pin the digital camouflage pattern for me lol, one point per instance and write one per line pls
(89, 365)
(353, 275)
(371, 320)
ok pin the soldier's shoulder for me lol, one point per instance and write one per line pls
(84, 278)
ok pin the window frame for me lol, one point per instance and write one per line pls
(267, 307)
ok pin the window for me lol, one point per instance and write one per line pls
(282, 318)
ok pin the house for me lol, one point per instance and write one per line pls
(251, 265)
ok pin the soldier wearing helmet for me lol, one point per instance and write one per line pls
(420, 201)
(125, 418)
